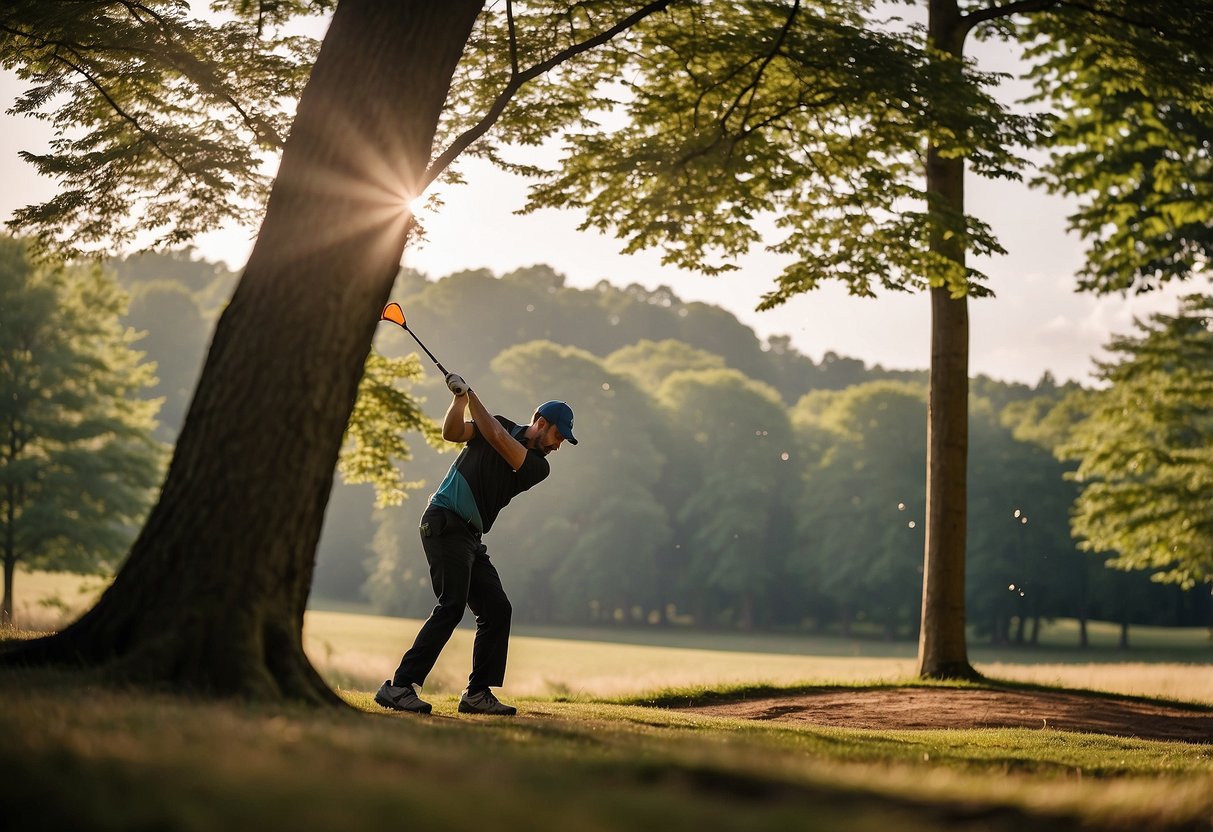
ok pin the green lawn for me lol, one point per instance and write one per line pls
(356, 652)
(577, 757)
(79, 757)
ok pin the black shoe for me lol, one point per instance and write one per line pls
(402, 698)
(484, 703)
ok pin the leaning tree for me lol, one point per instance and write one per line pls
(212, 595)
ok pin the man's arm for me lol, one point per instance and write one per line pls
(511, 450)
(454, 427)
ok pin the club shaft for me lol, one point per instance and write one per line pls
(427, 351)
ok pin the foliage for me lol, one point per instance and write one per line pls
(382, 413)
(77, 459)
(1022, 564)
(176, 338)
(651, 362)
(162, 120)
(732, 484)
(1132, 83)
(862, 522)
(1145, 449)
(570, 539)
(745, 117)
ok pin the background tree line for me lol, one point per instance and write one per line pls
(722, 481)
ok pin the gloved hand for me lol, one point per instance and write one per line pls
(456, 384)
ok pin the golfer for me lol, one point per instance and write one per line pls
(499, 461)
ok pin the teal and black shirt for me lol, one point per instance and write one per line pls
(480, 483)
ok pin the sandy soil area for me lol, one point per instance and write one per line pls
(930, 707)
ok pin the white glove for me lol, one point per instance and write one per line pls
(456, 384)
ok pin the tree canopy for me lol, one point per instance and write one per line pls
(1145, 449)
(1134, 136)
(163, 120)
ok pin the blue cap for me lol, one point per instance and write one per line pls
(561, 415)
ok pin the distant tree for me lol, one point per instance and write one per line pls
(1023, 563)
(197, 275)
(374, 452)
(860, 529)
(598, 531)
(397, 581)
(1046, 494)
(1145, 449)
(609, 571)
(733, 433)
(795, 373)
(177, 335)
(175, 298)
(77, 460)
(648, 363)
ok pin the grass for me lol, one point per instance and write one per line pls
(358, 651)
(589, 750)
(136, 761)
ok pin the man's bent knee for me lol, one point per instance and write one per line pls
(448, 613)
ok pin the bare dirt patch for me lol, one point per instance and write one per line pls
(931, 707)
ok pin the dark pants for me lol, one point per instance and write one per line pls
(462, 576)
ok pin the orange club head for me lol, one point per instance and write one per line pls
(392, 312)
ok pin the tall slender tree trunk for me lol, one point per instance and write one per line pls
(10, 552)
(1083, 603)
(6, 610)
(212, 596)
(942, 652)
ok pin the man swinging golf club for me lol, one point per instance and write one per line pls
(499, 461)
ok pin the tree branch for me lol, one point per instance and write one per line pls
(976, 18)
(509, 19)
(752, 87)
(193, 68)
(1111, 15)
(117, 108)
(262, 130)
(465, 139)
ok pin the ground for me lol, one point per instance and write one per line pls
(939, 707)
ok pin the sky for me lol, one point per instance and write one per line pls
(1037, 322)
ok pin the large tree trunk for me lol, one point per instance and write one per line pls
(942, 652)
(212, 596)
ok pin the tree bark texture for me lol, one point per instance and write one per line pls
(942, 652)
(212, 596)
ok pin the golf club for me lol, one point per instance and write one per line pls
(392, 312)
